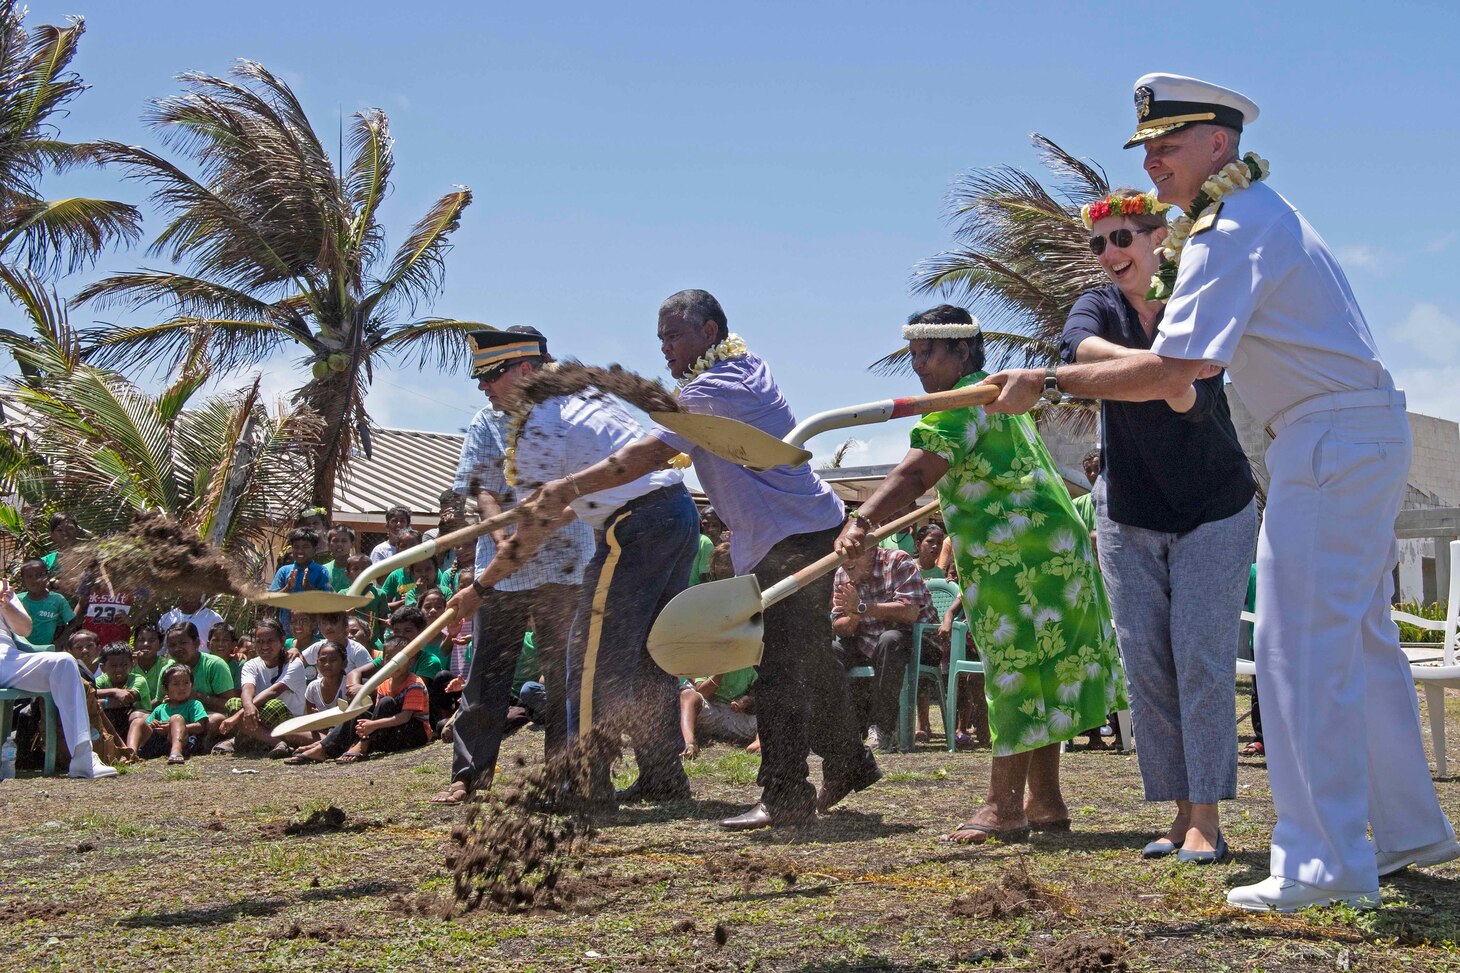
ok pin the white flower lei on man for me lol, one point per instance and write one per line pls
(733, 346)
(1230, 178)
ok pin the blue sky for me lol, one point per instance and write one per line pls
(793, 157)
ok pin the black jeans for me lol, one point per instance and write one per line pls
(876, 700)
(801, 700)
(407, 736)
(505, 616)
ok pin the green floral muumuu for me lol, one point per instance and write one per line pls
(1036, 608)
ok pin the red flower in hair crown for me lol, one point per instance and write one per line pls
(1145, 204)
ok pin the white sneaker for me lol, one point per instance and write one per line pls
(874, 738)
(1434, 854)
(88, 765)
(1278, 894)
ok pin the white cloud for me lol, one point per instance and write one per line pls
(1360, 257)
(1431, 332)
(1431, 391)
(1441, 242)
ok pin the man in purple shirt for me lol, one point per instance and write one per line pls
(780, 520)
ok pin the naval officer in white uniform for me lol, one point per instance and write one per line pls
(1257, 290)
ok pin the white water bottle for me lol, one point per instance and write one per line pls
(7, 758)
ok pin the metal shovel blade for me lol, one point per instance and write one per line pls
(311, 602)
(729, 439)
(324, 719)
(710, 628)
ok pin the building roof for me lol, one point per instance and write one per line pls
(406, 468)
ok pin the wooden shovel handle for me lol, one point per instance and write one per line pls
(403, 658)
(425, 549)
(919, 405)
(789, 586)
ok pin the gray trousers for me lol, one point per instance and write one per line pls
(1177, 600)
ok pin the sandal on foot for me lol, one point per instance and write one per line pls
(1007, 835)
(299, 759)
(177, 758)
(223, 749)
(1254, 749)
(350, 757)
(455, 794)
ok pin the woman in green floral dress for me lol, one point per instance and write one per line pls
(1031, 589)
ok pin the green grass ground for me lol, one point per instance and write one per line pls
(190, 870)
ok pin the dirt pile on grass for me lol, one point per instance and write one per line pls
(1014, 895)
(318, 821)
(520, 837)
(154, 554)
(565, 378)
(1085, 954)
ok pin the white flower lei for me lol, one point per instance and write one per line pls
(732, 347)
(1230, 178)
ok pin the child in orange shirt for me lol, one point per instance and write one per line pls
(400, 720)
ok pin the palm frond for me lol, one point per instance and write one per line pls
(432, 343)
(229, 344)
(68, 233)
(368, 183)
(419, 264)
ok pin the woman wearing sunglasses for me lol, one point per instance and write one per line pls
(1176, 528)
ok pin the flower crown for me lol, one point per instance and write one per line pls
(1146, 204)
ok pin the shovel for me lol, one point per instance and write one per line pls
(730, 439)
(322, 602)
(343, 712)
(718, 627)
(912, 405)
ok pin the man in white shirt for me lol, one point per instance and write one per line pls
(397, 519)
(648, 533)
(1256, 290)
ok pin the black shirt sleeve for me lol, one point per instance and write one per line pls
(1207, 391)
(1086, 319)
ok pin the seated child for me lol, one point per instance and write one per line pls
(86, 650)
(302, 625)
(358, 630)
(123, 695)
(438, 682)
(717, 708)
(399, 720)
(327, 688)
(147, 658)
(224, 642)
(271, 691)
(50, 611)
(212, 682)
(404, 586)
(334, 627)
(179, 722)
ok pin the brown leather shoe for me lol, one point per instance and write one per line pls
(831, 791)
(761, 817)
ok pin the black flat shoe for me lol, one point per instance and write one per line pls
(830, 793)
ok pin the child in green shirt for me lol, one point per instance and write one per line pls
(50, 612)
(178, 721)
(122, 694)
(147, 658)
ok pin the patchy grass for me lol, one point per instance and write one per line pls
(209, 870)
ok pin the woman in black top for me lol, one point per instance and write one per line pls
(1176, 529)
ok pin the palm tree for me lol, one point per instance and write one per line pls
(1021, 259)
(37, 234)
(87, 440)
(280, 250)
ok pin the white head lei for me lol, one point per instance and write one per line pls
(929, 332)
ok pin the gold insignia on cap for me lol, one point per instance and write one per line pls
(1143, 101)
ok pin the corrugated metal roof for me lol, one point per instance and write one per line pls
(406, 468)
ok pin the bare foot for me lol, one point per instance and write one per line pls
(753, 746)
(691, 752)
(1046, 813)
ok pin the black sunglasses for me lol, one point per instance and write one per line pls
(1118, 238)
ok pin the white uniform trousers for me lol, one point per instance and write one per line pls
(50, 672)
(1339, 709)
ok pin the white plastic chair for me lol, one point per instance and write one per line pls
(1432, 664)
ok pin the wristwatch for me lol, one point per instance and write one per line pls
(479, 588)
(861, 608)
(1052, 393)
